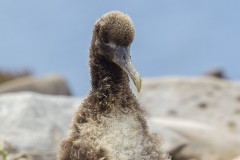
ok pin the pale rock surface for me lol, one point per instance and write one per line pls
(35, 123)
(202, 141)
(208, 100)
(212, 103)
(52, 84)
(237, 158)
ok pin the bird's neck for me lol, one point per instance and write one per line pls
(110, 86)
(107, 77)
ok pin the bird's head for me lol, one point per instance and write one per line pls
(114, 33)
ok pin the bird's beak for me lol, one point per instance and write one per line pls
(123, 59)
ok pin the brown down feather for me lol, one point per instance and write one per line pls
(110, 96)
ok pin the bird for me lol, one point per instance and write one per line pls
(110, 124)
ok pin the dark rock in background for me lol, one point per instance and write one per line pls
(53, 84)
(215, 72)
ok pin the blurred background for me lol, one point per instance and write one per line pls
(172, 37)
(44, 48)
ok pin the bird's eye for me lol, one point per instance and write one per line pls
(105, 40)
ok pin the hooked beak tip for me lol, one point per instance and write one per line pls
(138, 82)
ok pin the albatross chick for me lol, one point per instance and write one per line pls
(110, 123)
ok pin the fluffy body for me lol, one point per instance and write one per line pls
(110, 123)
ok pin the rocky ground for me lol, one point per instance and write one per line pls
(198, 119)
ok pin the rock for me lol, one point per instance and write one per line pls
(35, 123)
(202, 142)
(213, 104)
(237, 158)
(54, 85)
(215, 72)
(208, 100)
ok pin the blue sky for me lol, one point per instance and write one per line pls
(183, 38)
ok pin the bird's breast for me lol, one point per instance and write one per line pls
(121, 134)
